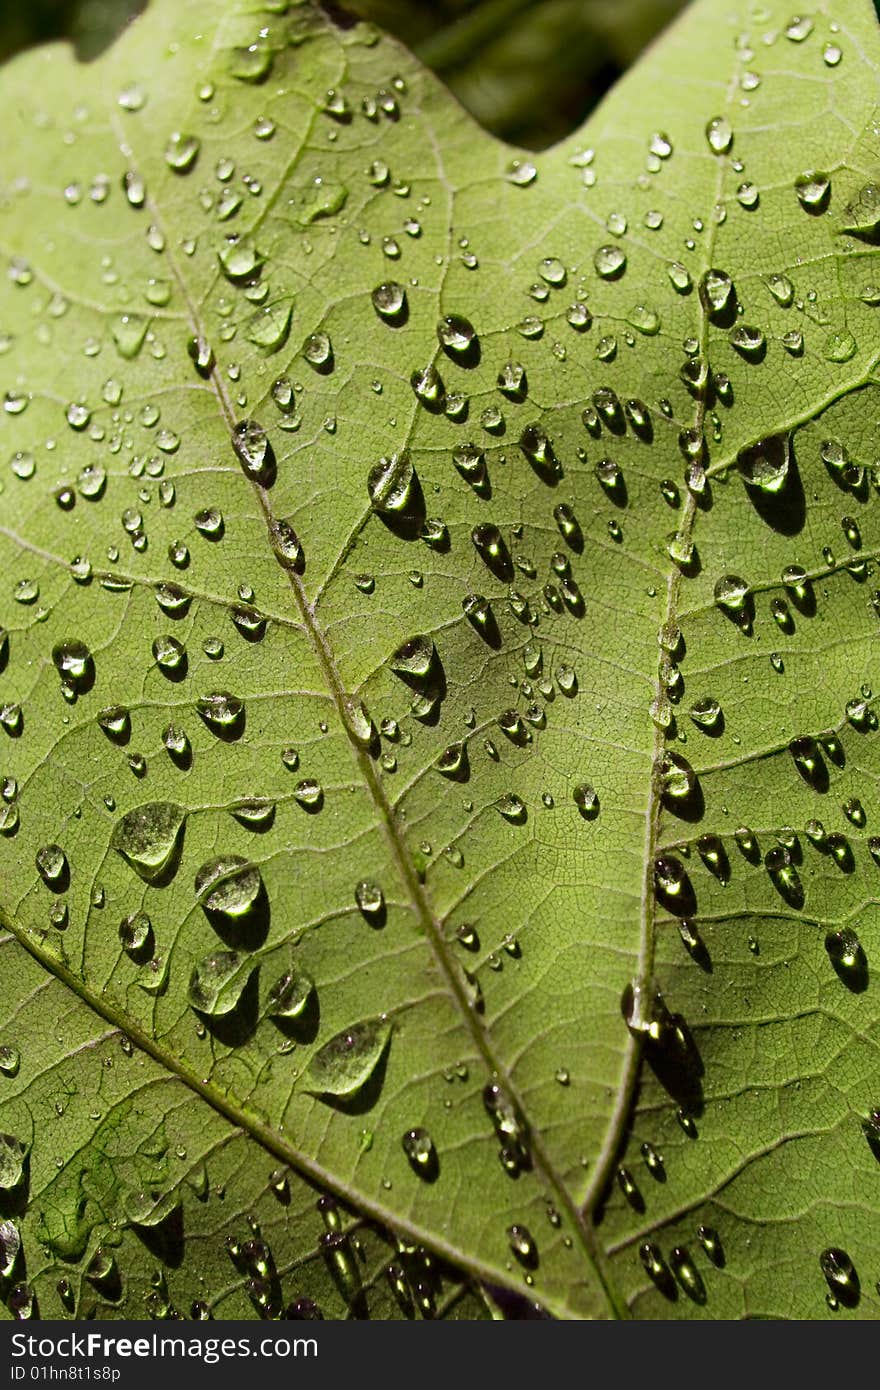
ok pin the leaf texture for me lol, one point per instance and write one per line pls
(438, 622)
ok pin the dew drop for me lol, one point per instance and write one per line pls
(389, 301)
(419, 1149)
(218, 981)
(609, 261)
(13, 1155)
(719, 134)
(289, 996)
(135, 933)
(390, 484)
(148, 838)
(52, 866)
(343, 1066)
(228, 885)
(813, 190)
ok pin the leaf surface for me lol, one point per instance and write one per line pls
(357, 462)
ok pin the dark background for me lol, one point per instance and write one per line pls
(529, 70)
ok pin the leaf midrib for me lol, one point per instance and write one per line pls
(429, 922)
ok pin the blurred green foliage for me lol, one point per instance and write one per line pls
(528, 70)
(89, 24)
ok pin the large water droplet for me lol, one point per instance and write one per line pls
(840, 1275)
(765, 464)
(457, 335)
(136, 934)
(10, 1245)
(181, 152)
(731, 593)
(13, 1155)
(719, 134)
(389, 301)
(522, 1244)
(218, 981)
(228, 885)
(390, 484)
(251, 444)
(344, 1065)
(610, 261)
(290, 994)
(716, 292)
(73, 662)
(221, 711)
(269, 326)
(148, 838)
(52, 866)
(813, 190)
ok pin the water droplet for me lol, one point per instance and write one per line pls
(535, 444)
(644, 319)
(781, 289)
(523, 1245)
(457, 335)
(656, 1267)
(181, 152)
(390, 484)
(251, 64)
(719, 134)
(688, 1277)
(218, 981)
(309, 794)
(653, 1161)
(586, 799)
(711, 1243)
(717, 293)
(73, 662)
(52, 866)
(680, 277)
(13, 1155)
(221, 711)
(390, 302)
(428, 387)
(521, 172)
(839, 346)
(765, 464)
(610, 261)
(148, 838)
(511, 807)
(840, 1275)
(136, 934)
(419, 1149)
(370, 900)
(169, 655)
(290, 994)
(10, 1245)
(252, 447)
(10, 1060)
(268, 328)
(228, 885)
(731, 593)
(813, 190)
(676, 777)
(344, 1065)
(847, 955)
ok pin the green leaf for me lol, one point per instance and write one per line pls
(355, 464)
